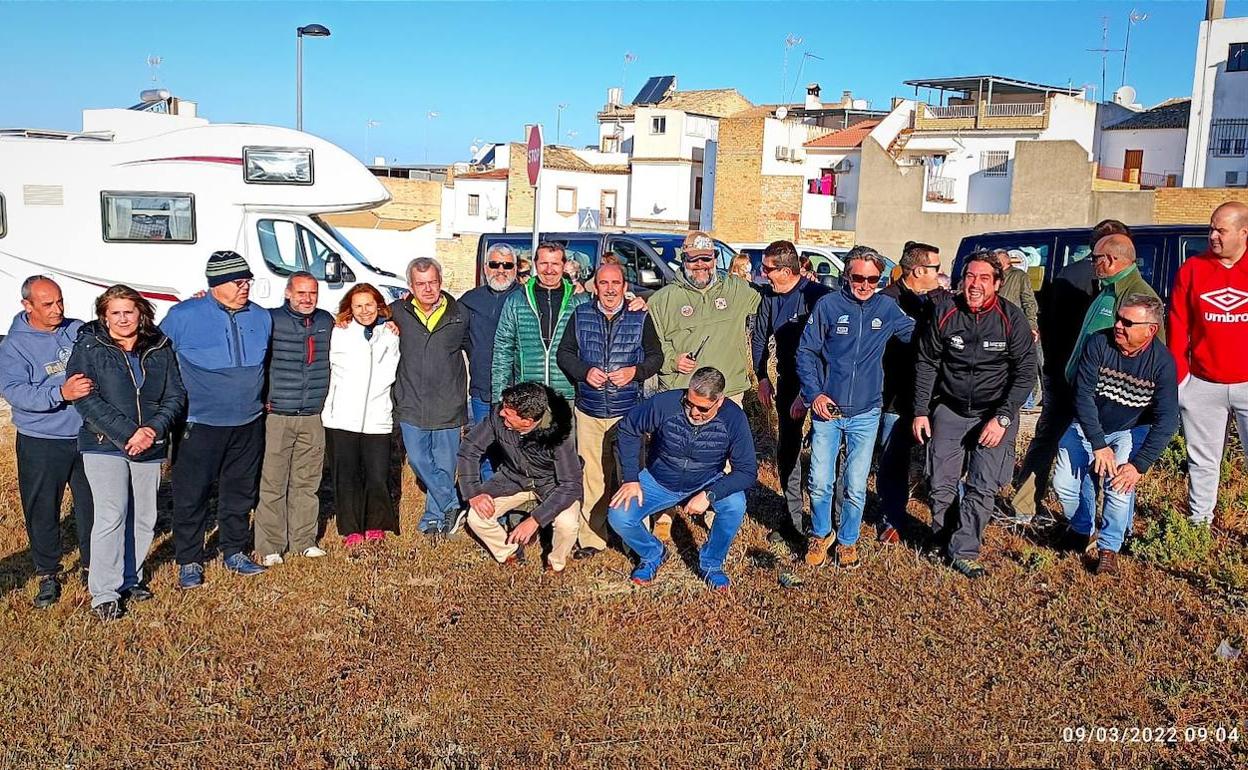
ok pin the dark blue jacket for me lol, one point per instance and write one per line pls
(841, 354)
(221, 355)
(299, 361)
(686, 458)
(783, 316)
(118, 405)
(483, 306)
(591, 340)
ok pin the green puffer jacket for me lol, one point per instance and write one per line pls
(519, 352)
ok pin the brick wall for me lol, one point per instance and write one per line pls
(458, 256)
(738, 185)
(417, 200)
(519, 193)
(780, 211)
(1192, 205)
(843, 238)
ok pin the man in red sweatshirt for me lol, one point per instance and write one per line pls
(1209, 339)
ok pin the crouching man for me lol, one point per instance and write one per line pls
(530, 431)
(692, 433)
(1127, 410)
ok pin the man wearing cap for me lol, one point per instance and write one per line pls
(222, 340)
(701, 321)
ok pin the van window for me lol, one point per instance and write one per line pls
(635, 262)
(4, 226)
(148, 217)
(1147, 256)
(1191, 245)
(584, 253)
(1074, 252)
(288, 247)
(1035, 254)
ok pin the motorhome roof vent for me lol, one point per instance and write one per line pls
(43, 195)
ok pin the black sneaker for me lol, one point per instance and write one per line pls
(585, 552)
(49, 592)
(971, 568)
(139, 593)
(107, 611)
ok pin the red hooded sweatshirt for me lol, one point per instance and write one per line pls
(1208, 332)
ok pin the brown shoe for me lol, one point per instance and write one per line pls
(847, 556)
(890, 535)
(817, 550)
(662, 529)
(1106, 563)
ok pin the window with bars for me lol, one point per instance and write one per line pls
(474, 205)
(994, 162)
(1228, 137)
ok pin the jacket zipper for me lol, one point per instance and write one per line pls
(608, 387)
(368, 384)
(853, 371)
(238, 340)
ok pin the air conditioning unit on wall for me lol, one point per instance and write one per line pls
(838, 208)
(843, 166)
(1237, 179)
(782, 153)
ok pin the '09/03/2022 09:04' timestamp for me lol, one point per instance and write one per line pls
(1143, 734)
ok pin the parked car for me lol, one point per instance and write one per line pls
(650, 260)
(1159, 250)
(828, 262)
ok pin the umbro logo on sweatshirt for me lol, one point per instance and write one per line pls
(1226, 300)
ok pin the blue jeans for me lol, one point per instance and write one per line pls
(656, 498)
(432, 455)
(858, 433)
(481, 410)
(1075, 484)
(892, 477)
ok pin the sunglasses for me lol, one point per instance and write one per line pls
(856, 278)
(695, 408)
(500, 265)
(698, 260)
(768, 269)
(1127, 323)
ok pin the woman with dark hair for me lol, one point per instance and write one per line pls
(136, 400)
(359, 415)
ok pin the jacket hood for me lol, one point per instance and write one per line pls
(21, 325)
(549, 436)
(94, 330)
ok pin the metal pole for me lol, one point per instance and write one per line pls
(299, 80)
(1126, 49)
(537, 199)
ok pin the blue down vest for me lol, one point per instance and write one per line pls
(299, 361)
(608, 345)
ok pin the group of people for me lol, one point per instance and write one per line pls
(540, 403)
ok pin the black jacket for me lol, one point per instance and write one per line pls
(543, 461)
(899, 356)
(975, 363)
(115, 408)
(784, 317)
(430, 391)
(298, 361)
(483, 306)
(1061, 320)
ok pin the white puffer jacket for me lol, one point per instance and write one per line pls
(361, 374)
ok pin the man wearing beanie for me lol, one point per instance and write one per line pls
(221, 340)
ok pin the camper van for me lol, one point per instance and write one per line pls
(142, 198)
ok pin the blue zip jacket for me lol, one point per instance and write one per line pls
(222, 357)
(841, 354)
(32, 371)
(686, 458)
(484, 306)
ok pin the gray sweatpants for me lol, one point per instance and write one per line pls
(1206, 407)
(125, 522)
(289, 510)
(955, 448)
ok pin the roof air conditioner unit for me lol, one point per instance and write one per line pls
(838, 208)
(843, 166)
(782, 153)
(491, 213)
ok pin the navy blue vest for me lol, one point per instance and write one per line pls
(608, 346)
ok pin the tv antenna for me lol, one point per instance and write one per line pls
(153, 64)
(1133, 18)
(1104, 50)
(790, 42)
(629, 58)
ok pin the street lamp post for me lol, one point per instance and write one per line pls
(311, 30)
(559, 119)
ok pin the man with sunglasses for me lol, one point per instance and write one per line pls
(914, 293)
(693, 432)
(222, 342)
(976, 366)
(483, 306)
(840, 360)
(1127, 406)
(786, 304)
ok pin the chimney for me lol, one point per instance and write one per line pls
(1215, 9)
(613, 96)
(847, 99)
(812, 97)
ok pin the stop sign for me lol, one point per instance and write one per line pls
(535, 154)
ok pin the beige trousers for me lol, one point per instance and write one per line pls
(494, 534)
(595, 442)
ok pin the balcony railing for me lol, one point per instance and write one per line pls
(985, 115)
(1145, 179)
(940, 189)
(1013, 110)
(955, 111)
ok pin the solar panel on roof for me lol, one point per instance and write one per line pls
(654, 89)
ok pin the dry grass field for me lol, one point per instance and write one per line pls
(420, 655)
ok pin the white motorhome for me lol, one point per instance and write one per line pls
(143, 198)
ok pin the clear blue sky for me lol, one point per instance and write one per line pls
(488, 68)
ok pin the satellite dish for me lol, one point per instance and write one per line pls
(1125, 96)
(782, 113)
(474, 150)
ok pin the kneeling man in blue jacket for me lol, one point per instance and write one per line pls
(693, 433)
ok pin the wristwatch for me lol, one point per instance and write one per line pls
(1003, 420)
(710, 497)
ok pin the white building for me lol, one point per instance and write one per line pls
(829, 168)
(1217, 140)
(966, 132)
(575, 183)
(1146, 148)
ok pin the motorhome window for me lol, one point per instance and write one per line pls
(277, 165)
(279, 245)
(148, 217)
(4, 225)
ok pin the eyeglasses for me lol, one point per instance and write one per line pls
(695, 407)
(1127, 323)
(698, 260)
(856, 278)
(1102, 256)
(243, 283)
(500, 265)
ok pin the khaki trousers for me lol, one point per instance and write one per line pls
(494, 534)
(288, 513)
(595, 442)
(709, 516)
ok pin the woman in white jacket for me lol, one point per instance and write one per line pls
(359, 416)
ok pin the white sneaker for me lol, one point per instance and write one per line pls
(314, 552)
(272, 560)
